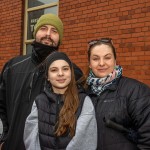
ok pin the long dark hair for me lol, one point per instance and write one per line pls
(67, 116)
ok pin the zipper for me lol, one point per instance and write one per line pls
(57, 117)
(37, 73)
(31, 84)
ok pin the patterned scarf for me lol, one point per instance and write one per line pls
(98, 85)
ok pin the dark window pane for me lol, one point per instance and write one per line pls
(34, 3)
(28, 49)
(33, 17)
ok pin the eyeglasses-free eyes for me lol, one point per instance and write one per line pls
(102, 40)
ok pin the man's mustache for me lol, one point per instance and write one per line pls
(47, 38)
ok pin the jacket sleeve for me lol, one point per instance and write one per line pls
(86, 130)
(3, 103)
(139, 110)
(31, 135)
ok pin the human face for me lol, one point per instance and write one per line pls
(59, 75)
(102, 61)
(47, 35)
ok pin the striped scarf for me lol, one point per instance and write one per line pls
(98, 85)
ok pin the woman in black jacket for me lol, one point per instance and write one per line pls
(122, 104)
(62, 116)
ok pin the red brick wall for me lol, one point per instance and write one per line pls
(126, 21)
(10, 29)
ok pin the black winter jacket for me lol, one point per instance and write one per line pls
(49, 105)
(126, 103)
(22, 80)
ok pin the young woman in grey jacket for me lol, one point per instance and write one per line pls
(62, 116)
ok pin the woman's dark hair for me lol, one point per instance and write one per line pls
(105, 41)
(67, 115)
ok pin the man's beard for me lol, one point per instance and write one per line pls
(41, 51)
(47, 41)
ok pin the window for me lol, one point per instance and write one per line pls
(33, 10)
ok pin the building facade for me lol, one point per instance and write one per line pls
(127, 22)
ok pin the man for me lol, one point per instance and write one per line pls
(23, 79)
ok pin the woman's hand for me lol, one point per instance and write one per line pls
(1, 146)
